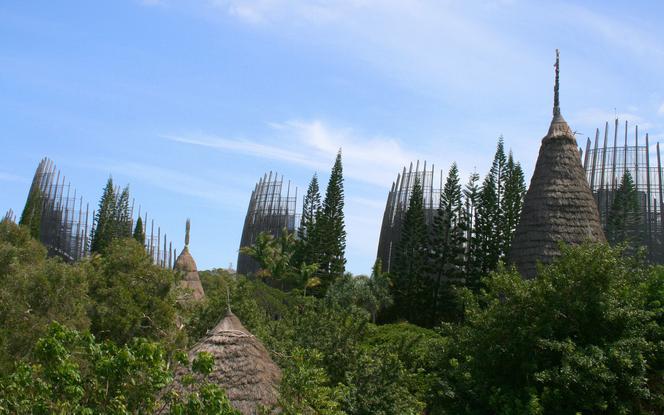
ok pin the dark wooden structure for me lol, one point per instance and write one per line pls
(559, 205)
(269, 211)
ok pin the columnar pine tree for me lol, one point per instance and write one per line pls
(515, 191)
(139, 232)
(493, 233)
(624, 220)
(308, 241)
(122, 219)
(487, 237)
(32, 212)
(411, 283)
(330, 229)
(447, 249)
(104, 221)
(471, 194)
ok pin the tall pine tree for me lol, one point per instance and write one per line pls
(104, 221)
(32, 212)
(411, 286)
(487, 237)
(139, 232)
(122, 221)
(624, 223)
(515, 191)
(308, 241)
(330, 229)
(447, 249)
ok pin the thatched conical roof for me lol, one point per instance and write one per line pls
(186, 264)
(242, 365)
(559, 205)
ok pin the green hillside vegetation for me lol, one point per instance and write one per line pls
(100, 336)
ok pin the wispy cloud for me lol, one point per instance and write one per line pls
(246, 147)
(314, 144)
(660, 111)
(9, 177)
(174, 181)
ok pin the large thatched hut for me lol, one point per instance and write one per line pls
(242, 366)
(186, 264)
(559, 205)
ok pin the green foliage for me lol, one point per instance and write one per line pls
(305, 386)
(112, 219)
(380, 385)
(73, 373)
(584, 337)
(330, 229)
(447, 251)
(371, 294)
(309, 242)
(498, 209)
(132, 297)
(473, 257)
(275, 258)
(410, 282)
(515, 191)
(139, 232)
(34, 291)
(624, 221)
(32, 212)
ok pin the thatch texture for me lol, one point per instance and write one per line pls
(191, 280)
(186, 264)
(242, 366)
(559, 206)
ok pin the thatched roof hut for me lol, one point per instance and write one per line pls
(242, 365)
(186, 264)
(559, 205)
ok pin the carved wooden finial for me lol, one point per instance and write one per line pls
(556, 86)
(186, 235)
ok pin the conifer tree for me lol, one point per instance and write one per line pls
(471, 194)
(487, 240)
(411, 284)
(32, 212)
(307, 247)
(515, 191)
(499, 173)
(139, 232)
(330, 229)
(447, 249)
(491, 235)
(122, 221)
(104, 221)
(624, 220)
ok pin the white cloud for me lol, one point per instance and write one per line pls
(660, 111)
(9, 177)
(369, 159)
(175, 181)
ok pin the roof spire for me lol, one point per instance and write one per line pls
(556, 86)
(186, 234)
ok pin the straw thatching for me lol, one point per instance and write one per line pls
(185, 263)
(242, 366)
(559, 206)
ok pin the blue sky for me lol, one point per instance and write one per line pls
(190, 102)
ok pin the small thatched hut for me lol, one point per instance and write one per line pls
(242, 365)
(186, 264)
(559, 205)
